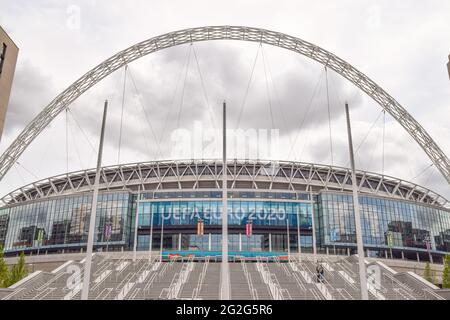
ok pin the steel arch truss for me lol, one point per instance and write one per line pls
(207, 175)
(387, 102)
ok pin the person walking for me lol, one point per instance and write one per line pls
(320, 273)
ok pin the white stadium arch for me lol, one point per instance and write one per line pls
(326, 58)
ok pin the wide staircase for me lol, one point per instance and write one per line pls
(263, 278)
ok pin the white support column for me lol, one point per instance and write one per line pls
(224, 274)
(210, 242)
(299, 242)
(240, 241)
(359, 239)
(150, 244)
(313, 224)
(179, 242)
(136, 223)
(90, 243)
(288, 236)
(270, 242)
(162, 238)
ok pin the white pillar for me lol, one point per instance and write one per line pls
(150, 242)
(359, 239)
(209, 242)
(136, 223)
(270, 242)
(299, 242)
(179, 242)
(162, 237)
(90, 243)
(313, 224)
(288, 236)
(240, 241)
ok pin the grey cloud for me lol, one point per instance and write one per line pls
(32, 90)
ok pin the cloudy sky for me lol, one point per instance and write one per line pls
(403, 46)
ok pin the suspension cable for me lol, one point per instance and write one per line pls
(269, 98)
(19, 174)
(338, 93)
(141, 129)
(432, 173)
(145, 112)
(329, 117)
(211, 112)
(277, 98)
(365, 137)
(82, 131)
(23, 167)
(45, 151)
(306, 114)
(184, 88)
(121, 115)
(423, 171)
(368, 132)
(241, 110)
(372, 153)
(172, 103)
(75, 147)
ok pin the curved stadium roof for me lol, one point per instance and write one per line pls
(242, 174)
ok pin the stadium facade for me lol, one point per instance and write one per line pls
(268, 202)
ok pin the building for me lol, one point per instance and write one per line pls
(399, 219)
(8, 59)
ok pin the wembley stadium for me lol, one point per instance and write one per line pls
(278, 199)
(224, 228)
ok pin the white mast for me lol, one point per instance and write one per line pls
(224, 274)
(90, 243)
(359, 240)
